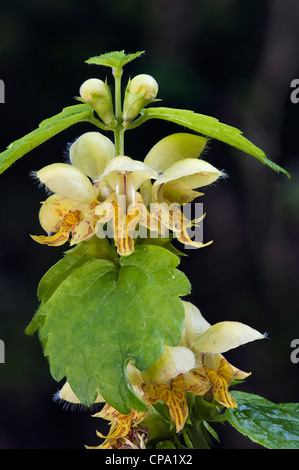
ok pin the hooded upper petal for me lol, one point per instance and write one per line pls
(67, 181)
(173, 148)
(194, 173)
(189, 173)
(173, 361)
(194, 325)
(91, 152)
(201, 337)
(123, 164)
(224, 336)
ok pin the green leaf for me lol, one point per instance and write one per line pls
(211, 430)
(47, 129)
(158, 424)
(50, 282)
(165, 445)
(58, 273)
(274, 426)
(101, 316)
(116, 59)
(161, 241)
(210, 127)
(199, 435)
(73, 259)
(149, 282)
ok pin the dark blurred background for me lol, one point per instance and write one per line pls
(230, 59)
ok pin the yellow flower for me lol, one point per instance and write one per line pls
(116, 196)
(180, 173)
(62, 216)
(196, 365)
(132, 199)
(97, 187)
(125, 432)
(71, 209)
(209, 342)
(124, 206)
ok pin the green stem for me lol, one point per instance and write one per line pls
(93, 120)
(119, 141)
(119, 130)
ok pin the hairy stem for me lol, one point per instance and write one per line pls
(119, 130)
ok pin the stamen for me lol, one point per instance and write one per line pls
(130, 190)
(120, 190)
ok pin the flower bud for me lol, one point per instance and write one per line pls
(98, 95)
(145, 85)
(91, 152)
(141, 90)
(92, 87)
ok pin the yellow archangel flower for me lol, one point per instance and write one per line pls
(125, 431)
(135, 199)
(124, 206)
(71, 209)
(97, 187)
(99, 190)
(180, 172)
(196, 365)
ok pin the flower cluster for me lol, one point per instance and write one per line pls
(98, 187)
(196, 365)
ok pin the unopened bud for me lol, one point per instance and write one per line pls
(145, 85)
(141, 90)
(91, 152)
(92, 87)
(97, 93)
